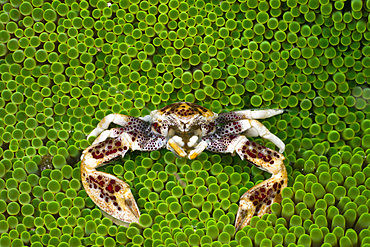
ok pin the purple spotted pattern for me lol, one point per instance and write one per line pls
(231, 128)
(225, 118)
(219, 144)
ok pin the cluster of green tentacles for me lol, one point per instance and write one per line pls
(65, 65)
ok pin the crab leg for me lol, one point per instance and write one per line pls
(116, 118)
(113, 133)
(111, 194)
(250, 128)
(224, 118)
(257, 200)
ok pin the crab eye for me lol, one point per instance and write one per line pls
(160, 129)
(156, 127)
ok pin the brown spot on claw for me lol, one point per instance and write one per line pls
(251, 154)
(95, 156)
(269, 192)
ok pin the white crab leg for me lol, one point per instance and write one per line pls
(111, 118)
(106, 134)
(266, 134)
(247, 114)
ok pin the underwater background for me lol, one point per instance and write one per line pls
(66, 64)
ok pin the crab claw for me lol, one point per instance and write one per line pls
(111, 194)
(257, 200)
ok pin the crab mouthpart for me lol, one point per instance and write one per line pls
(178, 140)
(176, 148)
(192, 141)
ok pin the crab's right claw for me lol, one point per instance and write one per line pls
(257, 200)
(111, 194)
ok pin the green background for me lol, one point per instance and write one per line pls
(66, 65)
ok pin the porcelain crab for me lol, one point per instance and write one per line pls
(186, 129)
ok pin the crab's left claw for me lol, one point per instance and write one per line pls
(257, 200)
(107, 191)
